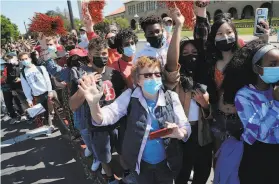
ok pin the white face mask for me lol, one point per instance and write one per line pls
(83, 37)
(14, 61)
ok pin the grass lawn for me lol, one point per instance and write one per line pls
(241, 31)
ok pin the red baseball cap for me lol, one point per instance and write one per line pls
(79, 52)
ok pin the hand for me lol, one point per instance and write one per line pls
(87, 20)
(265, 29)
(17, 80)
(30, 104)
(276, 93)
(177, 133)
(89, 89)
(202, 3)
(201, 7)
(14, 93)
(177, 17)
(50, 95)
(63, 83)
(202, 99)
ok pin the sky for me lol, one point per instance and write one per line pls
(20, 11)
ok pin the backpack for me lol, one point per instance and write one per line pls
(4, 75)
(38, 68)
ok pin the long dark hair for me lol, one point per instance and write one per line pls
(219, 20)
(239, 72)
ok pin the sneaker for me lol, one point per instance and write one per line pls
(95, 165)
(23, 118)
(6, 118)
(103, 172)
(13, 121)
(50, 130)
(131, 178)
(87, 152)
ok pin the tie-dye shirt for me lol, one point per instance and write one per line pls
(259, 114)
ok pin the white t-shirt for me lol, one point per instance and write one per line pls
(160, 54)
(193, 111)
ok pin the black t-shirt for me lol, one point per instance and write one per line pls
(112, 83)
(13, 72)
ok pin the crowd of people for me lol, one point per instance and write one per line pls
(177, 106)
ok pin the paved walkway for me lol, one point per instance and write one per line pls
(28, 156)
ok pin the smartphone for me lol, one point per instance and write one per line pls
(260, 15)
(160, 133)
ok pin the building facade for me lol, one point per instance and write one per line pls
(238, 9)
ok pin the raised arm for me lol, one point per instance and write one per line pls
(88, 23)
(174, 48)
(201, 30)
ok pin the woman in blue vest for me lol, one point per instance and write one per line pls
(148, 108)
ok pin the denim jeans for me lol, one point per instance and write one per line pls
(87, 139)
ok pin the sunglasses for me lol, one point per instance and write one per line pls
(149, 75)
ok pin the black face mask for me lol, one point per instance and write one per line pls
(70, 47)
(188, 63)
(100, 62)
(111, 42)
(155, 41)
(225, 44)
(76, 61)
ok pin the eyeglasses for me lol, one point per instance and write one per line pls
(149, 75)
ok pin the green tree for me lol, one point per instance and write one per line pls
(123, 23)
(78, 23)
(9, 31)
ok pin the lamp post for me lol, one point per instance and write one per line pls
(137, 23)
(271, 13)
(71, 14)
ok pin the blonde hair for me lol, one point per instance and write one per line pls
(142, 62)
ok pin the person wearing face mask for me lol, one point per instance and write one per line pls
(102, 139)
(167, 21)
(51, 47)
(36, 84)
(256, 97)
(12, 89)
(110, 33)
(185, 74)
(148, 108)
(153, 32)
(219, 43)
(83, 38)
(125, 42)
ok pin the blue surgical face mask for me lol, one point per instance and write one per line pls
(152, 86)
(130, 51)
(168, 29)
(270, 75)
(27, 62)
(52, 48)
